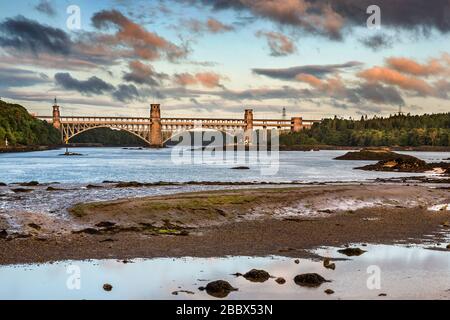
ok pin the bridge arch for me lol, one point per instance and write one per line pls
(69, 137)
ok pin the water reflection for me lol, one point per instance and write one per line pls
(406, 273)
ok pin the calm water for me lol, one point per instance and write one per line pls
(99, 164)
(405, 273)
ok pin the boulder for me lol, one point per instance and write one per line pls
(255, 275)
(241, 168)
(327, 264)
(350, 252)
(107, 287)
(329, 291)
(218, 289)
(21, 190)
(280, 280)
(309, 280)
(29, 184)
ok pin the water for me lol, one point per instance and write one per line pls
(99, 164)
(406, 273)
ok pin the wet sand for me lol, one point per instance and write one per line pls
(252, 222)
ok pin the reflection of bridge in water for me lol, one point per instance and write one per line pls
(156, 130)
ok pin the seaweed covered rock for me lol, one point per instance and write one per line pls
(255, 275)
(350, 252)
(309, 280)
(218, 289)
(375, 154)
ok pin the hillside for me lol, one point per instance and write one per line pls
(398, 130)
(20, 128)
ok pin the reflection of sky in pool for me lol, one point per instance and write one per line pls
(405, 273)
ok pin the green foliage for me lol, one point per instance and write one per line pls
(21, 128)
(398, 130)
(108, 137)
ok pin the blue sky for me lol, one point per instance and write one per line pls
(198, 59)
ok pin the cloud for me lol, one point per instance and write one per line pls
(279, 44)
(13, 77)
(21, 33)
(46, 7)
(209, 26)
(93, 85)
(318, 71)
(143, 74)
(144, 44)
(380, 94)
(205, 79)
(378, 42)
(409, 66)
(331, 18)
(215, 26)
(126, 93)
(393, 77)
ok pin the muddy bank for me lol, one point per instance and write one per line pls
(284, 221)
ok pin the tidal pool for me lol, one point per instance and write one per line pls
(401, 271)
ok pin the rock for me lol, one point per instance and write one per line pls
(132, 184)
(280, 280)
(2, 184)
(309, 280)
(21, 190)
(91, 231)
(29, 184)
(237, 274)
(105, 224)
(255, 275)
(446, 224)
(370, 154)
(329, 291)
(241, 168)
(350, 252)
(448, 246)
(91, 186)
(3, 234)
(296, 261)
(53, 189)
(382, 295)
(107, 287)
(34, 226)
(218, 289)
(175, 293)
(327, 264)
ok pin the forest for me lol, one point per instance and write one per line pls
(397, 130)
(20, 128)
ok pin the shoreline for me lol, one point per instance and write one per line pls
(303, 148)
(238, 222)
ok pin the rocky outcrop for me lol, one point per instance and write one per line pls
(309, 280)
(370, 154)
(350, 252)
(255, 275)
(218, 289)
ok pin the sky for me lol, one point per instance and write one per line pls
(215, 58)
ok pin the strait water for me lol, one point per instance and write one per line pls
(149, 165)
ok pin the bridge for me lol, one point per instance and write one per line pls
(156, 131)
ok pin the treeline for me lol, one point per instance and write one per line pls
(21, 128)
(108, 137)
(398, 130)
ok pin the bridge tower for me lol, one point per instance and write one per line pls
(56, 116)
(296, 124)
(248, 119)
(155, 126)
